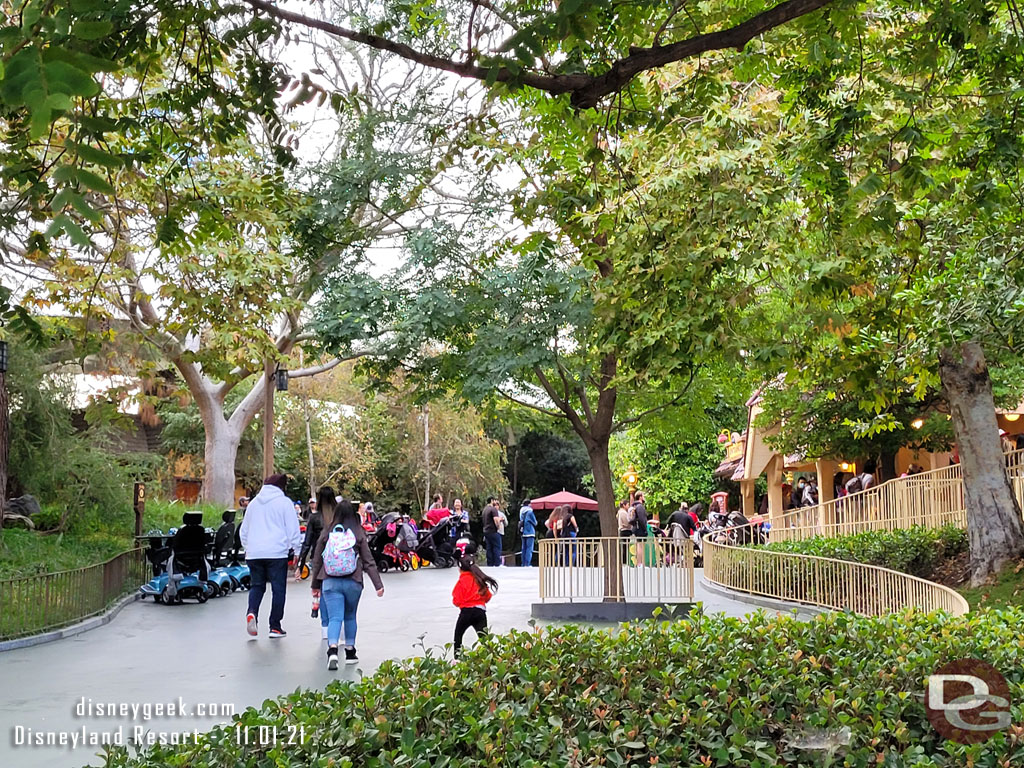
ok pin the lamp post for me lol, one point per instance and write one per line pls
(630, 477)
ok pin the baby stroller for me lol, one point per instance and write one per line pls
(382, 544)
(437, 545)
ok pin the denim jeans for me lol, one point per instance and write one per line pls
(274, 571)
(493, 543)
(528, 542)
(341, 595)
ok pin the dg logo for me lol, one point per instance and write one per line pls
(968, 701)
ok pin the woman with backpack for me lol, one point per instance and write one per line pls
(341, 555)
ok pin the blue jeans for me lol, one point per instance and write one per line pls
(274, 571)
(493, 543)
(528, 542)
(341, 594)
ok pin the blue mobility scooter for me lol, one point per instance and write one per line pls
(180, 570)
(228, 572)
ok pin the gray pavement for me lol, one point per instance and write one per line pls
(153, 654)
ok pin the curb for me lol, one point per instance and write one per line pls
(75, 629)
(760, 601)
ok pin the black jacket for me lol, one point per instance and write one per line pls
(314, 526)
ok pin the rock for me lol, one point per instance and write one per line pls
(26, 506)
(12, 520)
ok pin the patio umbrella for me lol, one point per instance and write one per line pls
(561, 499)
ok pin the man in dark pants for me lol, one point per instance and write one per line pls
(492, 526)
(269, 532)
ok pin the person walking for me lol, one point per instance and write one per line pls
(314, 527)
(528, 532)
(269, 534)
(340, 557)
(493, 527)
(471, 594)
(566, 528)
(324, 515)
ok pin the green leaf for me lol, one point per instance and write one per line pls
(92, 30)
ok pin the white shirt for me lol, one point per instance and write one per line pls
(270, 527)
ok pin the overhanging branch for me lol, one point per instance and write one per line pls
(585, 90)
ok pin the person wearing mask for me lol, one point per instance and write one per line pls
(342, 593)
(796, 494)
(269, 533)
(493, 526)
(528, 531)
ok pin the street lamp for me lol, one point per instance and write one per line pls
(282, 380)
(630, 477)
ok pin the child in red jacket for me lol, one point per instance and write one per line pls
(472, 591)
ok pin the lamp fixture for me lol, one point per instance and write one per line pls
(917, 423)
(3, 356)
(1011, 416)
(282, 380)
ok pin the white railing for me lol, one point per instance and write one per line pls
(653, 569)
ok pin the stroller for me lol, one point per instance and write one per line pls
(437, 546)
(382, 544)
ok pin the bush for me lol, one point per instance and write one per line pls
(710, 691)
(910, 550)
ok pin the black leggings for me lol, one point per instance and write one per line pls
(476, 618)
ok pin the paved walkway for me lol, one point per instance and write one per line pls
(153, 654)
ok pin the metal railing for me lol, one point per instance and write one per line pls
(930, 499)
(34, 604)
(616, 569)
(824, 582)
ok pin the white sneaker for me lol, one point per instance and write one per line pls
(323, 632)
(332, 659)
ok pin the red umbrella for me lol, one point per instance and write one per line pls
(561, 499)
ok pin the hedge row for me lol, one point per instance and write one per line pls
(911, 550)
(707, 692)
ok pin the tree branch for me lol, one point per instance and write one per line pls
(585, 90)
(525, 404)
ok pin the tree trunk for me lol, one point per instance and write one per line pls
(994, 528)
(597, 449)
(426, 454)
(4, 444)
(219, 464)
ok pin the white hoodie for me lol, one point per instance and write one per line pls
(270, 527)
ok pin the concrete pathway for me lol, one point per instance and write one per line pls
(153, 654)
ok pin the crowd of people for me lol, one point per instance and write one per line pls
(336, 543)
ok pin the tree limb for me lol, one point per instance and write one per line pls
(585, 90)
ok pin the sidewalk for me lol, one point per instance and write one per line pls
(154, 653)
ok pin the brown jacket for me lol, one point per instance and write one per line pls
(364, 561)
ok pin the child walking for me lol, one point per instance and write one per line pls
(472, 591)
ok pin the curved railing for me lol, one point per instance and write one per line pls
(930, 499)
(834, 584)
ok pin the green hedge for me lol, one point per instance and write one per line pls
(911, 550)
(709, 691)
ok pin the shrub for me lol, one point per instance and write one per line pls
(709, 691)
(910, 550)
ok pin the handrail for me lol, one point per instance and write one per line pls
(931, 499)
(32, 604)
(616, 569)
(843, 585)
